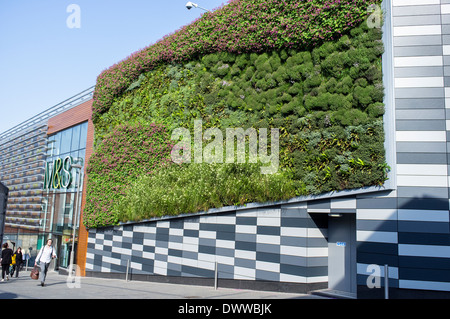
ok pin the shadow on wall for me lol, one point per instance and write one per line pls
(417, 224)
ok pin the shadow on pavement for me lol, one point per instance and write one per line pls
(8, 295)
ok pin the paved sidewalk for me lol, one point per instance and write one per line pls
(98, 288)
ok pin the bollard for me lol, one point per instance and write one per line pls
(215, 277)
(386, 282)
(128, 268)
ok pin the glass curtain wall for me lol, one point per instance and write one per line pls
(62, 189)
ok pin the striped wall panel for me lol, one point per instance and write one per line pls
(421, 34)
(285, 244)
(263, 244)
(377, 235)
(22, 171)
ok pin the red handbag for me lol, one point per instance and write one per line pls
(35, 273)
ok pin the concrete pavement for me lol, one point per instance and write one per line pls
(58, 287)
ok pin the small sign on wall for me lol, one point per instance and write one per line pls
(341, 243)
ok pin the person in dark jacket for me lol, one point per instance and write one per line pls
(6, 261)
(16, 267)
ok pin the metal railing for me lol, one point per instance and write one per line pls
(69, 103)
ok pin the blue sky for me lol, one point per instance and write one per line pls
(43, 61)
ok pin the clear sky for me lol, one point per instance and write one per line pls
(44, 62)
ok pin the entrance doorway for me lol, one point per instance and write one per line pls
(342, 252)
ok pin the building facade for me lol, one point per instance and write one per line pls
(338, 241)
(3, 201)
(36, 165)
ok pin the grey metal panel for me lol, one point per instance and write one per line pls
(317, 261)
(445, 18)
(294, 212)
(437, 275)
(343, 211)
(408, 93)
(304, 271)
(293, 241)
(193, 271)
(379, 258)
(296, 260)
(426, 263)
(421, 125)
(424, 239)
(377, 248)
(228, 252)
(239, 237)
(416, 10)
(377, 225)
(245, 263)
(380, 203)
(317, 242)
(445, 29)
(268, 257)
(408, 191)
(267, 275)
(423, 227)
(426, 114)
(445, 39)
(429, 203)
(405, 72)
(421, 158)
(417, 20)
(421, 147)
(446, 70)
(267, 248)
(417, 40)
(446, 60)
(429, 50)
(428, 103)
(319, 204)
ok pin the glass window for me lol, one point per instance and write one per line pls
(50, 145)
(81, 155)
(74, 172)
(75, 138)
(83, 135)
(57, 143)
(66, 141)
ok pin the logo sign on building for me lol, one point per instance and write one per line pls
(58, 174)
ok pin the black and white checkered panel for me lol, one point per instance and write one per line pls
(267, 244)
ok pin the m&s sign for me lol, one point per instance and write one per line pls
(58, 173)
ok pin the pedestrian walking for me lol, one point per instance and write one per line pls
(6, 261)
(16, 266)
(45, 256)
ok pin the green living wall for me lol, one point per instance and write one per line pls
(322, 89)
